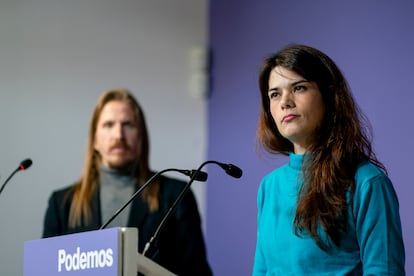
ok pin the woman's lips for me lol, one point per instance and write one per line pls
(289, 118)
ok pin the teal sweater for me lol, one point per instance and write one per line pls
(373, 244)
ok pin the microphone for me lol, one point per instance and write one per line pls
(198, 175)
(25, 164)
(194, 174)
(230, 169)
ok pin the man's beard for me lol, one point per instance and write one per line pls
(122, 164)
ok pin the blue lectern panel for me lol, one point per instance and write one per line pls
(87, 253)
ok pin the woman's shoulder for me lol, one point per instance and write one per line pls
(279, 172)
(366, 170)
(369, 179)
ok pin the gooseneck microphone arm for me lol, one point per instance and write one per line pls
(197, 175)
(25, 164)
(230, 169)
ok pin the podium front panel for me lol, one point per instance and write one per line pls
(83, 254)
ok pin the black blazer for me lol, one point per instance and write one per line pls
(181, 247)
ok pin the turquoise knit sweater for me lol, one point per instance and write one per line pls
(372, 245)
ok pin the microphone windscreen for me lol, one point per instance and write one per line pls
(25, 164)
(201, 176)
(234, 171)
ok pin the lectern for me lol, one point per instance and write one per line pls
(107, 252)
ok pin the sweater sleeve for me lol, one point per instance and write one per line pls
(378, 227)
(259, 267)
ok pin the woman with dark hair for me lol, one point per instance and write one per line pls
(331, 210)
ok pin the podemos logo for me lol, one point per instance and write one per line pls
(81, 260)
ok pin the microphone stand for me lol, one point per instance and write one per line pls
(173, 206)
(7, 180)
(195, 175)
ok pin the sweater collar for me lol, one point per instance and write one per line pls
(296, 161)
(115, 172)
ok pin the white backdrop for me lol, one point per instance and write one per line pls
(56, 57)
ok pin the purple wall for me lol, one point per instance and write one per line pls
(371, 41)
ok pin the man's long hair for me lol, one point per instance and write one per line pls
(341, 143)
(83, 190)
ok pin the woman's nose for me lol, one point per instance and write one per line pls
(287, 101)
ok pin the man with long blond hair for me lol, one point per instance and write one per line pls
(116, 165)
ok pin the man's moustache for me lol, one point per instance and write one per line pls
(119, 145)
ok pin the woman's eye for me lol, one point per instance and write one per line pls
(299, 88)
(273, 95)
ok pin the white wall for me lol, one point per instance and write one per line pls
(56, 57)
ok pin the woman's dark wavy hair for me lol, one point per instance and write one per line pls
(341, 143)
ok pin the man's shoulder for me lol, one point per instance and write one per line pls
(61, 192)
(171, 187)
(172, 183)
